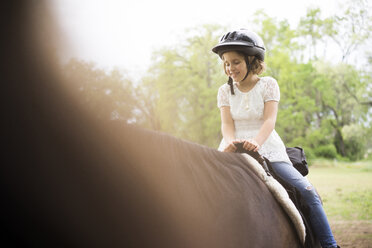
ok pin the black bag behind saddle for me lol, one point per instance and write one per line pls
(298, 159)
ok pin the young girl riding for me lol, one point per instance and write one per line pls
(249, 105)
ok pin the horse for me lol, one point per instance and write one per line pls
(71, 180)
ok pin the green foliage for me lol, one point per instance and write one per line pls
(184, 83)
(325, 151)
(355, 141)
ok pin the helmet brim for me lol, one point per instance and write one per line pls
(259, 52)
(236, 43)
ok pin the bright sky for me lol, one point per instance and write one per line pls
(123, 34)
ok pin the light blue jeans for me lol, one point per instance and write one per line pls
(318, 219)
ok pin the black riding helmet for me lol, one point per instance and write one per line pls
(245, 41)
(241, 40)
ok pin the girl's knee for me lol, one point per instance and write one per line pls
(310, 195)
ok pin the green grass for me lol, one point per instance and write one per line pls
(345, 188)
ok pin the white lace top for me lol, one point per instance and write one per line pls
(247, 110)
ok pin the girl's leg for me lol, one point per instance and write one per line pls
(318, 218)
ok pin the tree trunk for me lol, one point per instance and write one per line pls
(339, 142)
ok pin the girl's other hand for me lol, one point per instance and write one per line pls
(230, 147)
(251, 145)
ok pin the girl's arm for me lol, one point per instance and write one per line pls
(270, 113)
(227, 129)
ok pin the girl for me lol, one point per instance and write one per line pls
(249, 106)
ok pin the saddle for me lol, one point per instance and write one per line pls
(293, 193)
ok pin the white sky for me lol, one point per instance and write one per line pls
(123, 34)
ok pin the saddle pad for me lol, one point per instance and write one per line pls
(281, 196)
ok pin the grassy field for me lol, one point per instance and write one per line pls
(346, 191)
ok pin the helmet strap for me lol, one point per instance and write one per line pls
(249, 66)
(246, 75)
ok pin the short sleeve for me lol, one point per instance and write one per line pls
(271, 90)
(223, 96)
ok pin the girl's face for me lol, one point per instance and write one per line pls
(234, 65)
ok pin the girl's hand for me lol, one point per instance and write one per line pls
(251, 145)
(230, 147)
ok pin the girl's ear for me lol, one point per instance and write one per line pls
(224, 68)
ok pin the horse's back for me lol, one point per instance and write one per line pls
(220, 191)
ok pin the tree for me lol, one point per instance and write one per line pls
(353, 28)
(105, 95)
(311, 30)
(182, 85)
(335, 84)
(319, 100)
